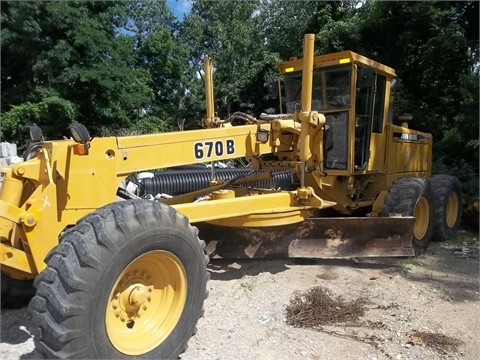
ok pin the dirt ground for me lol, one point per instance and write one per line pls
(409, 308)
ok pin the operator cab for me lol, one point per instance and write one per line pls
(351, 91)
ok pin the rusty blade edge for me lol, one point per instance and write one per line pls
(315, 238)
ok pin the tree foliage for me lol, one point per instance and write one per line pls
(435, 51)
(132, 67)
(73, 52)
(226, 32)
(52, 114)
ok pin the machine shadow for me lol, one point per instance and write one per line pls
(231, 269)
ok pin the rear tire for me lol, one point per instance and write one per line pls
(129, 280)
(447, 201)
(411, 196)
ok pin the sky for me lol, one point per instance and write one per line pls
(179, 7)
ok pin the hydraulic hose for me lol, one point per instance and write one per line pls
(176, 182)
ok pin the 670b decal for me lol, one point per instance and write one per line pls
(208, 149)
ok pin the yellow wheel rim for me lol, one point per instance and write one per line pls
(451, 210)
(422, 218)
(146, 302)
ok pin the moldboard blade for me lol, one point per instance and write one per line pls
(342, 237)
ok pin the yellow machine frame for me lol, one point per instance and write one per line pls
(45, 195)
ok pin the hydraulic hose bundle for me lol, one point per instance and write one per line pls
(176, 182)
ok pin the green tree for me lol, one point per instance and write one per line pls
(73, 51)
(226, 31)
(336, 24)
(52, 115)
(165, 60)
(20, 45)
(282, 25)
(435, 53)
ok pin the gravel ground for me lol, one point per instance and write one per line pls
(416, 308)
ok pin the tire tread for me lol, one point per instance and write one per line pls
(57, 320)
(401, 199)
(442, 185)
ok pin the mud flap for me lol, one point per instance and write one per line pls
(314, 238)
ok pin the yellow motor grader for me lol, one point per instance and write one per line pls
(118, 267)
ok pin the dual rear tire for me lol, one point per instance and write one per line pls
(435, 203)
(412, 196)
(447, 201)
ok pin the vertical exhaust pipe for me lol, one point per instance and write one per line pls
(208, 70)
(307, 74)
(305, 114)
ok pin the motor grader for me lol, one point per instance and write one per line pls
(127, 278)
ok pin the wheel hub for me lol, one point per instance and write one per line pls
(146, 302)
(422, 215)
(451, 212)
(134, 298)
(138, 295)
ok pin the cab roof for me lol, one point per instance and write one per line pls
(342, 57)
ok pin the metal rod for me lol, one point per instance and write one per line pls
(307, 78)
(307, 74)
(208, 69)
(302, 174)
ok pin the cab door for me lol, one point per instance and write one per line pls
(369, 117)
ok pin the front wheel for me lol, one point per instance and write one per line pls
(128, 281)
(412, 196)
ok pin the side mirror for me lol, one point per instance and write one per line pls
(365, 78)
(82, 137)
(36, 134)
(79, 133)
